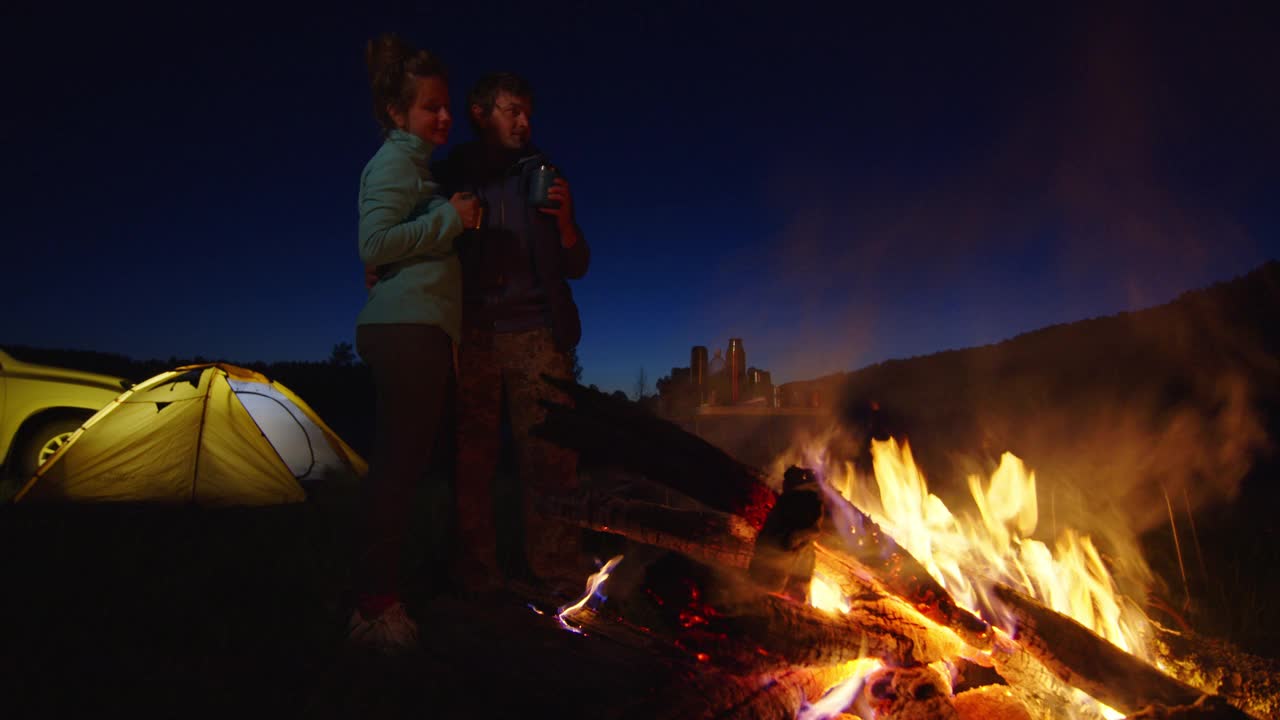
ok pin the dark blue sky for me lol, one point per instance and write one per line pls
(835, 186)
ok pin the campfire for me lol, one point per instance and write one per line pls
(851, 596)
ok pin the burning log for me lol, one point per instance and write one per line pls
(714, 694)
(784, 557)
(738, 629)
(897, 631)
(783, 695)
(895, 568)
(707, 535)
(701, 688)
(1042, 693)
(873, 627)
(1082, 659)
(720, 616)
(920, 692)
(619, 432)
(990, 702)
(1249, 682)
(665, 453)
(852, 580)
(1203, 709)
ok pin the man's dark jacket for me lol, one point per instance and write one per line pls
(517, 276)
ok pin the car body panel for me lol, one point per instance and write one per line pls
(30, 389)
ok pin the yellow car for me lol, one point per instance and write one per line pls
(41, 406)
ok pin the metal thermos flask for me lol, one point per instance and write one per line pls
(543, 177)
(736, 364)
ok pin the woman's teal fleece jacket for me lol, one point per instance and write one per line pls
(408, 232)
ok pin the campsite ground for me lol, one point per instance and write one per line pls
(187, 612)
(180, 612)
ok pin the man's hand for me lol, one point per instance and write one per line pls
(559, 190)
(370, 276)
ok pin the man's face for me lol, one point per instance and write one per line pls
(507, 125)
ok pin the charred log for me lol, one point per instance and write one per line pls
(889, 564)
(784, 557)
(721, 616)
(919, 692)
(1247, 681)
(852, 579)
(698, 688)
(707, 535)
(1206, 708)
(621, 433)
(1086, 661)
(990, 702)
(714, 694)
(875, 626)
(1041, 692)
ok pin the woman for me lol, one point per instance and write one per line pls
(409, 325)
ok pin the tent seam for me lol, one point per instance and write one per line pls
(204, 412)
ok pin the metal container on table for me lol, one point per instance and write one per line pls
(698, 371)
(736, 365)
(759, 385)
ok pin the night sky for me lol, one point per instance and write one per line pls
(836, 187)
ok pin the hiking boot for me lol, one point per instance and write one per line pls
(392, 632)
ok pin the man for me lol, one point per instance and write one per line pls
(519, 322)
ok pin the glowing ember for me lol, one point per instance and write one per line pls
(826, 595)
(594, 583)
(1109, 713)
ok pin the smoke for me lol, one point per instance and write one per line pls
(1102, 189)
(1118, 470)
(1122, 462)
(1130, 423)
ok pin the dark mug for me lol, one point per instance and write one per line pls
(543, 178)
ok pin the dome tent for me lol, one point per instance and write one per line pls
(214, 434)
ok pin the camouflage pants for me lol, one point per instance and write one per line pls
(491, 366)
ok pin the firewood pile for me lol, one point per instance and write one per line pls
(722, 586)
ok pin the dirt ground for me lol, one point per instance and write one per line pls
(187, 612)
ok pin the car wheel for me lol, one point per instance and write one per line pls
(42, 442)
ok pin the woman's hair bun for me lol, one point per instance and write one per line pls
(392, 62)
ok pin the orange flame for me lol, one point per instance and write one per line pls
(968, 554)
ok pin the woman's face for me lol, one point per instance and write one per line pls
(428, 117)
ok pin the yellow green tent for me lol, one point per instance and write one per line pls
(211, 434)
